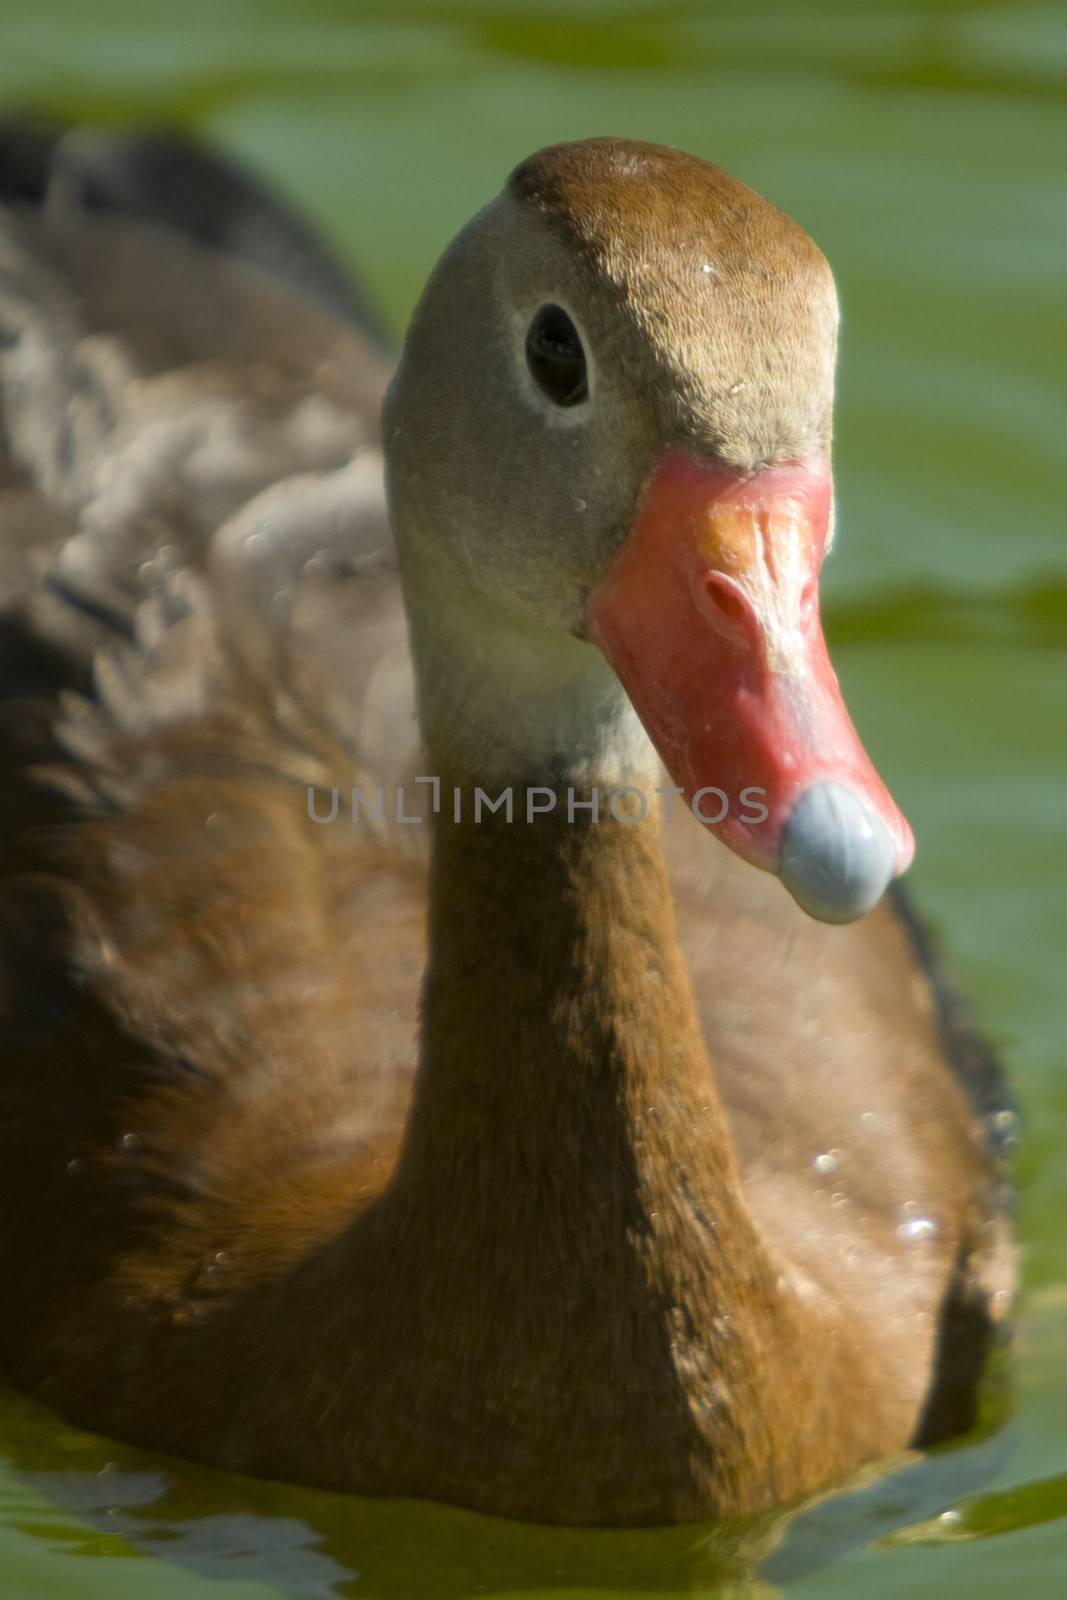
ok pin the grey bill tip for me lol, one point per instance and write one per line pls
(837, 857)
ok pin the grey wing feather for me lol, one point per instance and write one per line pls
(191, 494)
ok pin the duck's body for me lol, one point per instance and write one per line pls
(688, 1207)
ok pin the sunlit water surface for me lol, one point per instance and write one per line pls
(925, 147)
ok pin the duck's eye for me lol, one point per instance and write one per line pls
(555, 357)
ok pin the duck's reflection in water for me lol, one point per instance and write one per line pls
(308, 1545)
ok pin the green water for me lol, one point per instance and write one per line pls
(925, 148)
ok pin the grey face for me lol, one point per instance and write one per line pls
(526, 499)
(507, 489)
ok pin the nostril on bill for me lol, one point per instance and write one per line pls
(725, 605)
(837, 857)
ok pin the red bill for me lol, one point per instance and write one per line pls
(709, 614)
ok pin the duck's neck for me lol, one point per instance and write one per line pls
(560, 1039)
(565, 1230)
(562, 1057)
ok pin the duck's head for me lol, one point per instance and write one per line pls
(614, 411)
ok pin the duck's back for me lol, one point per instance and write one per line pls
(201, 991)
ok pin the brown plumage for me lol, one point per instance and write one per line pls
(675, 1203)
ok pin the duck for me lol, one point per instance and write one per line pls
(463, 1037)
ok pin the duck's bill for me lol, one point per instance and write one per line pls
(709, 615)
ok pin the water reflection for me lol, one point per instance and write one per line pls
(90, 1496)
